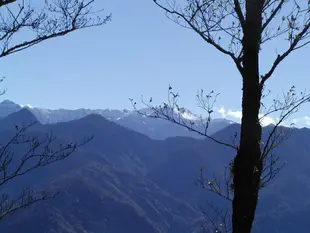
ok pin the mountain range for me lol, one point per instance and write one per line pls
(154, 128)
(125, 181)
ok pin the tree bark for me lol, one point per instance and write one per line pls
(247, 164)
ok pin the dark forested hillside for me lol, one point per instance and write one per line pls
(123, 181)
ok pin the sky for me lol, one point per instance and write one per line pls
(140, 52)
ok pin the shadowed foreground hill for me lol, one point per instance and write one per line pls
(103, 186)
(123, 181)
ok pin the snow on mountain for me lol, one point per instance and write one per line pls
(186, 114)
(154, 128)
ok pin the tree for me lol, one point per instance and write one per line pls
(39, 151)
(239, 29)
(56, 18)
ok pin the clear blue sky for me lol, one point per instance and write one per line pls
(139, 52)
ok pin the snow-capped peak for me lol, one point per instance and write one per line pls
(186, 114)
(26, 106)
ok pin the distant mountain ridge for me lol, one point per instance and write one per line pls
(104, 187)
(123, 181)
(154, 128)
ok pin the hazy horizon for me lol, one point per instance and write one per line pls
(141, 55)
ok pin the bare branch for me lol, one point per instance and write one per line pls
(214, 185)
(172, 112)
(287, 107)
(297, 34)
(56, 19)
(220, 223)
(239, 12)
(24, 200)
(38, 152)
(208, 19)
(6, 2)
(274, 12)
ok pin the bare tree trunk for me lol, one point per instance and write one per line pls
(248, 165)
(243, 47)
